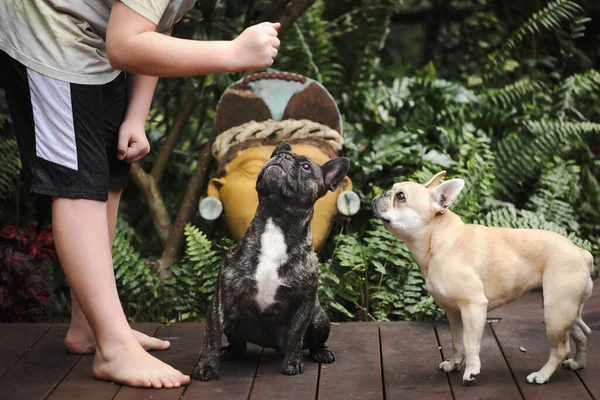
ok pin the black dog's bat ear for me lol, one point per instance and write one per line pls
(334, 172)
(281, 147)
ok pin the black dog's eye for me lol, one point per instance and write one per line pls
(400, 196)
(305, 166)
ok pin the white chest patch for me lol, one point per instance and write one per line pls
(273, 254)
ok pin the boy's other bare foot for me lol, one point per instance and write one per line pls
(132, 366)
(82, 341)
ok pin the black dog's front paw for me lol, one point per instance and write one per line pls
(323, 356)
(205, 372)
(293, 365)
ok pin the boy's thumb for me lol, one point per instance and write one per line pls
(122, 147)
(276, 25)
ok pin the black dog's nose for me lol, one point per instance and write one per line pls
(284, 156)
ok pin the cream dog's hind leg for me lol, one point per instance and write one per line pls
(563, 299)
(558, 324)
(456, 361)
(580, 333)
(473, 316)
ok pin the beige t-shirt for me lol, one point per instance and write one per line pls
(66, 39)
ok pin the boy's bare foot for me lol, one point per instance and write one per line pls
(132, 366)
(82, 341)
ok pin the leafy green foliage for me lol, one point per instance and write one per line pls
(195, 278)
(140, 289)
(549, 18)
(10, 166)
(506, 100)
(538, 141)
(184, 297)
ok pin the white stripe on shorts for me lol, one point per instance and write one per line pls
(53, 117)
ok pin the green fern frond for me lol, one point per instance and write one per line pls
(10, 167)
(478, 169)
(514, 93)
(139, 286)
(520, 157)
(572, 89)
(551, 18)
(511, 217)
(555, 192)
(297, 55)
(325, 55)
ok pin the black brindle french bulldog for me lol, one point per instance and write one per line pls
(267, 287)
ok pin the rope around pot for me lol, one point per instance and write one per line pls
(288, 129)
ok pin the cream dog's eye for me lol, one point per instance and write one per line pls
(400, 196)
(305, 166)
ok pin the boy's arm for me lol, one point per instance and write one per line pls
(133, 143)
(134, 45)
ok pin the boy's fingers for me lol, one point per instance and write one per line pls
(122, 145)
(136, 152)
(132, 152)
(276, 25)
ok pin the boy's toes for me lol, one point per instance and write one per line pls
(155, 382)
(166, 382)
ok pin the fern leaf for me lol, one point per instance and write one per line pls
(514, 93)
(555, 191)
(551, 17)
(10, 167)
(520, 157)
(511, 217)
(572, 89)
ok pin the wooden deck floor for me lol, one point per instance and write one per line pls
(374, 361)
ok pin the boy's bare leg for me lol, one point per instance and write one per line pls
(80, 338)
(81, 233)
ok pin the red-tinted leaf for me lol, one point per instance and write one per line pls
(9, 232)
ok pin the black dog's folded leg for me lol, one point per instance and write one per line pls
(233, 351)
(208, 365)
(293, 362)
(316, 336)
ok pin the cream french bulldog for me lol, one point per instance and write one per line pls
(470, 269)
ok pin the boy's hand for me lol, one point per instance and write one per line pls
(256, 47)
(133, 143)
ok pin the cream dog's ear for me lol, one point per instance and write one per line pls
(446, 193)
(433, 182)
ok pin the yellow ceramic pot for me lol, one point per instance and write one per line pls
(237, 190)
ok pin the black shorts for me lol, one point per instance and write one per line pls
(67, 133)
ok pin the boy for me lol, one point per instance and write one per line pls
(79, 123)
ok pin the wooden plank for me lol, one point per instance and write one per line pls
(186, 339)
(564, 384)
(529, 307)
(271, 383)
(17, 340)
(410, 359)
(236, 379)
(80, 383)
(41, 369)
(591, 372)
(495, 381)
(356, 373)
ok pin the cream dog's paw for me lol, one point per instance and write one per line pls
(450, 365)
(471, 374)
(572, 364)
(538, 378)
